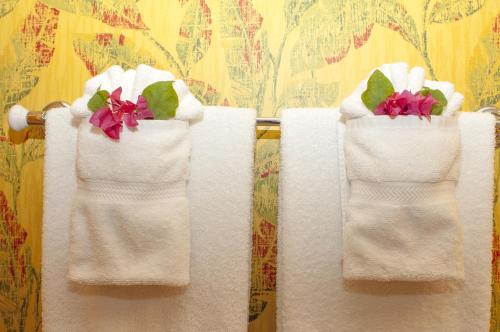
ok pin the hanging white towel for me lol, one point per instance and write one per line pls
(401, 220)
(311, 292)
(401, 216)
(216, 299)
(131, 207)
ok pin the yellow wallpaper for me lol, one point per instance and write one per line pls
(261, 53)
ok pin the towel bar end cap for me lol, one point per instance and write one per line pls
(18, 118)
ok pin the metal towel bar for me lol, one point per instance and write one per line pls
(20, 118)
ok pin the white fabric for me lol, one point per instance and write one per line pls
(397, 73)
(133, 82)
(311, 292)
(353, 107)
(131, 208)
(416, 78)
(401, 217)
(220, 194)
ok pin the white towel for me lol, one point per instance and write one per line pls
(220, 195)
(352, 106)
(311, 292)
(131, 207)
(401, 219)
(125, 187)
(133, 82)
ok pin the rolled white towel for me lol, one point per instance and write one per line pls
(189, 107)
(79, 108)
(352, 107)
(133, 82)
(454, 104)
(128, 76)
(399, 76)
(146, 75)
(416, 79)
(109, 80)
(447, 88)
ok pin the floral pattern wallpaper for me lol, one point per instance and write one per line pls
(250, 53)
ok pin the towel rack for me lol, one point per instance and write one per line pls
(20, 118)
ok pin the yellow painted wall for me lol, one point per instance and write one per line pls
(261, 53)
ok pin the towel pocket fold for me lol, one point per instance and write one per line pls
(402, 231)
(131, 241)
(402, 221)
(130, 217)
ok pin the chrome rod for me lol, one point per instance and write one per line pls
(38, 118)
(273, 122)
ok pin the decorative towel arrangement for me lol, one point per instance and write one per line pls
(216, 298)
(310, 239)
(402, 164)
(131, 208)
(383, 199)
(133, 82)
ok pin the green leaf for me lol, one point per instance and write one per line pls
(162, 99)
(379, 88)
(438, 108)
(98, 100)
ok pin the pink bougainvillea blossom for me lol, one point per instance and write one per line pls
(407, 103)
(111, 119)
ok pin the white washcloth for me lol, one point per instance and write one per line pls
(353, 107)
(401, 216)
(311, 292)
(133, 82)
(220, 196)
(131, 208)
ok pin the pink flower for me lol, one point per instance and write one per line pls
(111, 120)
(425, 105)
(406, 103)
(143, 111)
(107, 121)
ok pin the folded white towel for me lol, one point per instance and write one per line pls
(352, 107)
(416, 78)
(221, 171)
(402, 173)
(397, 73)
(133, 82)
(310, 240)
(401, 217)
(131, 207)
